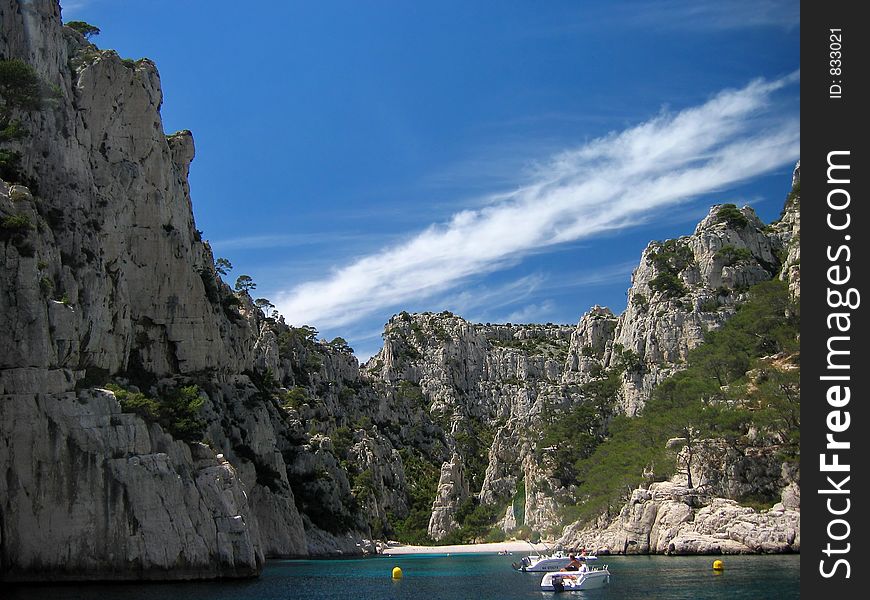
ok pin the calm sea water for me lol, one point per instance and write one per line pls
(434, 577)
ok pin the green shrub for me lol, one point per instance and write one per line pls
(730, 214)
(46, 286)
(16, 223)
(496, 534)
(669, 285)
(669, 259)
(523, 532)
(671, 256)
(177, 411)
(295, 397)
(209, 284)
(340, 344)
(640, 301)
(342, 440)
(20, 87)
(759, 502)
(729, 255)
(709, 305)
(421, 477)
(10, 166)
(411, 393)
(12, 131)
(136, 403)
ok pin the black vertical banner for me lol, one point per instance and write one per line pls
(835, 421)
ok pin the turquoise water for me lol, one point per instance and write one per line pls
(434, 577)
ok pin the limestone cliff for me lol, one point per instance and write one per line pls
(685, 287)
(481, 388)
(667, 518)
(503, 384)
(107, 282)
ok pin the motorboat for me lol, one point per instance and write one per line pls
(568, 581)
(545, 563)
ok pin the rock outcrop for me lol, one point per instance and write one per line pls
(452, 491)
(685, 287)
(668, 518)
(88, 491)
(789, 227)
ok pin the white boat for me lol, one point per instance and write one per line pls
(545, 563)
(569, 581)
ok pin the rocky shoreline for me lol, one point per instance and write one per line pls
(668, 518)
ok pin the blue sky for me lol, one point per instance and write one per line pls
(508, 161)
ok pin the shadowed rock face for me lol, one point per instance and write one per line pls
(108, 276)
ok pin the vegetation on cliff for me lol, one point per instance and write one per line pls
(744, 380)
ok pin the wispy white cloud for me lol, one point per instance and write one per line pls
(676, 15)
(608, 184)
(719, 14)
(470, 299)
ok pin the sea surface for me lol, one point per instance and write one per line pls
(435, 577)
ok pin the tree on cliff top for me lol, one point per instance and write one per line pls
(244, 284)
(86, 29)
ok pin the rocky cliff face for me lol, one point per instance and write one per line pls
(481, 387)
(668, 517)
(685, 287)
(106, 278)
(505, 383)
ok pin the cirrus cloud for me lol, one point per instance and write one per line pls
(607, 184)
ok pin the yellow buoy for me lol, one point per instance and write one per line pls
(397, 573)
(718, 565)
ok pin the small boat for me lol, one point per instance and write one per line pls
(569, 581)
(545, 563)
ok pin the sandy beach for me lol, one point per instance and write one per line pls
(515, 546)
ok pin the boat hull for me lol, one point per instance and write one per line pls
(568, 581)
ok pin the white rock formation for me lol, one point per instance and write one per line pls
(90, 491)
(452, 491)
(670, 519)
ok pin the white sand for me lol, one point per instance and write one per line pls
(515, 546)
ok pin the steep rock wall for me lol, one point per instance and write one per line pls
(109, 278)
